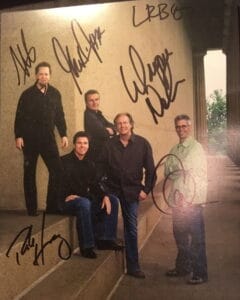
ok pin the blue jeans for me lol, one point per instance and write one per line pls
(105, 226)
(129, 213)
(86, 211)
(189, 234)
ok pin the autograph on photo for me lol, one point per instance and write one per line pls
(145, 78)
(23, 57)
(38, 248)
(86, 45)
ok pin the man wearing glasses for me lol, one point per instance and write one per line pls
(186, 170)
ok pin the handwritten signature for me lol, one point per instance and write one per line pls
(161, 11)
(160, 68)
(23, 58)
(85, 46)
(39, 249)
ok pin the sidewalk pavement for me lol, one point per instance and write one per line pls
(222, 221)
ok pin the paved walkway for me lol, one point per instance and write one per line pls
(222, 221)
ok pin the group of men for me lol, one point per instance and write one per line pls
(109, 164)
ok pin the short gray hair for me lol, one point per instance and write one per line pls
(182, 117)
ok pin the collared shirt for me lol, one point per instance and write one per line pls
(189, 180)
(129, 169)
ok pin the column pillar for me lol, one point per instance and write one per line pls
(200, 98)
(233, 85)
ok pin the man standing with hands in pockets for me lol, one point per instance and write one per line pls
(123, 160)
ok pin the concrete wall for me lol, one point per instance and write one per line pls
(110, 36)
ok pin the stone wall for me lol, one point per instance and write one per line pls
(136, 53)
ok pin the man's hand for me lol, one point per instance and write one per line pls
(64, 142)
(71, 197)
(19, 143)
(142, 196)
(110, 131)
(106, 203)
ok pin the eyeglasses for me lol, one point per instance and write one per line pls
(181, 127)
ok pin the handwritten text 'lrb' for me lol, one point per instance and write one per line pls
(145, 81)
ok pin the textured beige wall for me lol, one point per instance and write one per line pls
(115, 21)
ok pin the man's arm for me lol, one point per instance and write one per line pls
(60, 120)
(95, 127)
(19, 123)
(150, 176)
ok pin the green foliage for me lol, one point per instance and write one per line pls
(217, 121)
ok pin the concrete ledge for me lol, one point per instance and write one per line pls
(75, 278)
(80, 278)
(21, 268)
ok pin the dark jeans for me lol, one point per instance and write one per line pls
(189, 233)
(91, 221)
(129, 213)
(50, 155)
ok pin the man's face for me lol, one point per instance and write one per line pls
(81, 146)
(123, 125)
(93, 101)
(183, 129)
(43, 76)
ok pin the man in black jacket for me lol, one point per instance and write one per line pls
(98, 127)
(39, 110)
(83, 196)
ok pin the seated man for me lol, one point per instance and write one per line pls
(82, 195)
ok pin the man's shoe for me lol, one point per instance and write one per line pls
(196, 280)
(33, 213)
(176, 273)
(137, 274)
(53, 212)
(88, 253)
(108, 245)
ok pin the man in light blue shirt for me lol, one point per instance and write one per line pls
(186, 171)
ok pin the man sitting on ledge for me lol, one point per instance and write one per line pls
(84, 197)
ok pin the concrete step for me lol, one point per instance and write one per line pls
(80, 278)
(31, 247)
(74, 278)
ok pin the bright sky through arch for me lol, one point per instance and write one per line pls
(215, 72)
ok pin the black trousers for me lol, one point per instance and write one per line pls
(48, 150)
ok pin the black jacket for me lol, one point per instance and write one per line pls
(95, 125)
(79, 178)
(37, 114)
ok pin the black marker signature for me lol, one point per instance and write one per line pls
(179, 200)
(161, 11)
(159, 69)
(30, 242)
(23, 58)
(85, 46)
